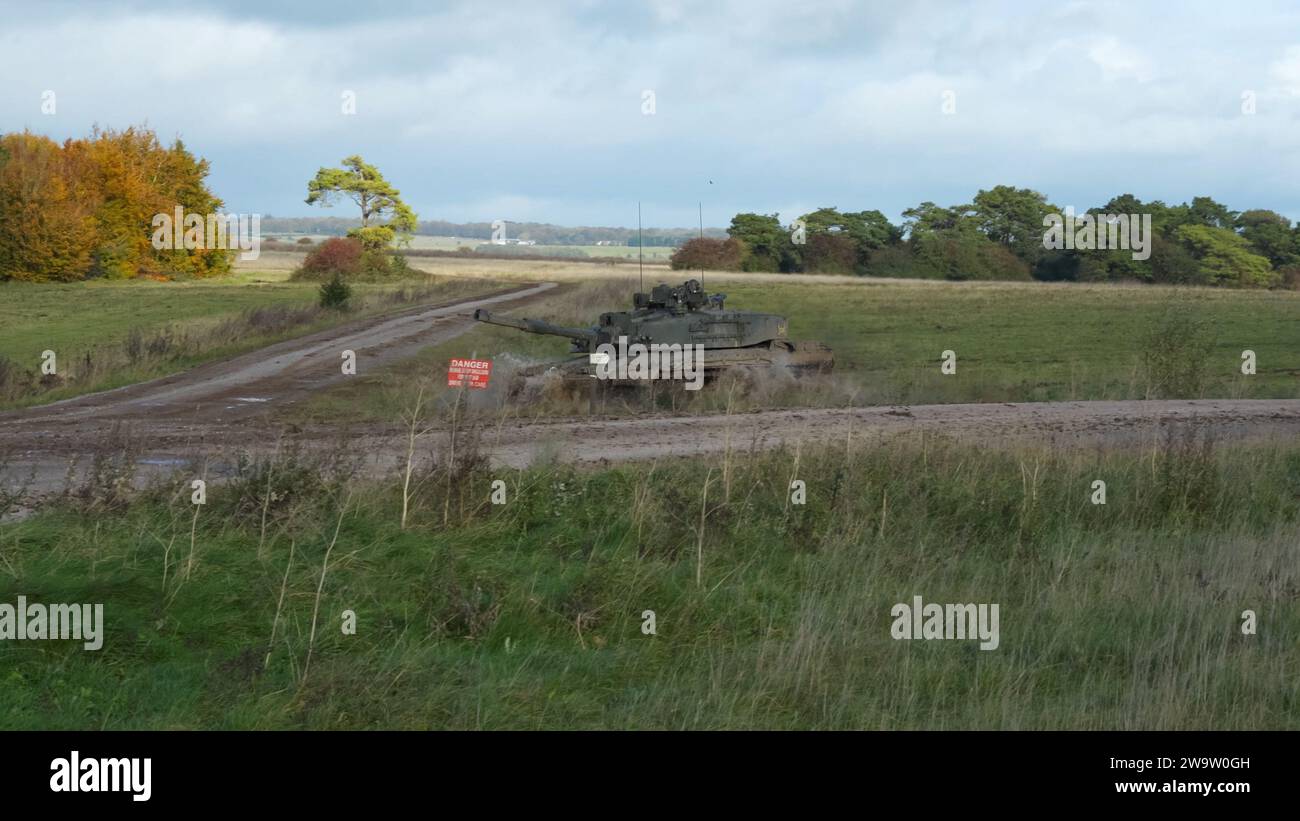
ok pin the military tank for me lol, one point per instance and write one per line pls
(682, 315)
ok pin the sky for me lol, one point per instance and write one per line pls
(572, 112)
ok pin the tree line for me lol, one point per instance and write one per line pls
(1000, 235)
(85, 208)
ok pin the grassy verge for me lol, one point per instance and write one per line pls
(107, 334)
(768, 614)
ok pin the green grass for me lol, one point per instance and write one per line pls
(1036, 342)
(97, 317)
(1014, 343)
(75, 315)
(529, 614)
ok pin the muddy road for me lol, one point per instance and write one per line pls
(214, 413)
(1059, 424)
(41, 455)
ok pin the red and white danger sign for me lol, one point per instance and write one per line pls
(472, 372)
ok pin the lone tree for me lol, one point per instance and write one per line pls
(383, 214)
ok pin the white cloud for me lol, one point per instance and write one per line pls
(1286, 71)
(1119, 61)
(487, 107)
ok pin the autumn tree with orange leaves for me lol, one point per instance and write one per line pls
(84, 209)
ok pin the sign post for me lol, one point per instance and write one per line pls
(474, 373)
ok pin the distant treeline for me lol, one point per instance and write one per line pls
(85, 208)
(539, 232)
(1000, 235)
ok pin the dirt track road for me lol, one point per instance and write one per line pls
(1069, 424)
(280, 374)
(223, 408)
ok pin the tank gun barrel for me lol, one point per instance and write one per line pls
(536, 326)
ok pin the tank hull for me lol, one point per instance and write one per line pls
(799, 357)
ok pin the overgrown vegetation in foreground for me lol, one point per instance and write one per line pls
(769, 614)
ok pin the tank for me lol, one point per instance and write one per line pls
(684, 315)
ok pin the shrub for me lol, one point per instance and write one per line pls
(1174, 353)
(708, 254)
(335, 293)
(1290, 276)
(350, 259)
(381, 264)
(827, 253)
(15, 380)
(1185, 471)
(338, 256)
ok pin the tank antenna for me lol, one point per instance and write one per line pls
(640, 247)
(701, 205)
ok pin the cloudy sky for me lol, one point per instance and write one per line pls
(538, 110)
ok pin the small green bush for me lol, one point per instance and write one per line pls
(1174, 353)
(335, 293)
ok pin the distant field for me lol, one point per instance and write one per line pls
(522, 268)
(421, 242)
(1014, 342)
(658, 254)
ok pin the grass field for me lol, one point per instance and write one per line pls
(106, 334)
(1040, 342)
(1014, 343)
(767, 613)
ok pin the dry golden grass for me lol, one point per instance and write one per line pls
(557, 271)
